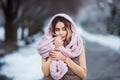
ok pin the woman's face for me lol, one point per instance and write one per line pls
(60, 30)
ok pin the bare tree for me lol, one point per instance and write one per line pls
(10, 9)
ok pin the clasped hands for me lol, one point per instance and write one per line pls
(56, 54)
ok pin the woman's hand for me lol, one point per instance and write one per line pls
(58, 42)
(57, 55)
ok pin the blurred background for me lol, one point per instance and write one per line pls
(23, 22)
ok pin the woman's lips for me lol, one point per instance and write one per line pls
(62, 37)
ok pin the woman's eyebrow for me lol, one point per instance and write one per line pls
(61, 27)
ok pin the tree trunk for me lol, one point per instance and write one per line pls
(10, 8)
(36, 28)
(22, 36)
(10, 33)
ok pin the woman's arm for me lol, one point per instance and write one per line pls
(81, 69)
(46, 66)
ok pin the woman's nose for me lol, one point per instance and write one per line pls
(61, 32)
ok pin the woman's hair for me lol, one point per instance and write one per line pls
(67, 27)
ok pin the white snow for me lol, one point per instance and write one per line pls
(110, 41)
(2, 33)
(25, 63)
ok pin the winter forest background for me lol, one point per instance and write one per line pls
(23, 22)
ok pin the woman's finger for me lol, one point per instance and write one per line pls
(53, 55)
(54, 51)
(54, 58)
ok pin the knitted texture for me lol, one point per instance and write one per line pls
(57, 67)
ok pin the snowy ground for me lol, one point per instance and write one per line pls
(110, 41)
(2, 33)
(25, 63)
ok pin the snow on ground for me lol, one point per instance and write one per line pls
(2, 33)
(110, 41)
(25, 63)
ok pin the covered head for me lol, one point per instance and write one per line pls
(69, 26)
(49, 26)
(72, 47)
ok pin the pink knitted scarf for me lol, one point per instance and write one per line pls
(57, 67)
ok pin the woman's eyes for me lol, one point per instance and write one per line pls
(58, 29)
(64, 29)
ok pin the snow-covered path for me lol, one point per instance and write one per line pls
(25, 63)
(110, 41)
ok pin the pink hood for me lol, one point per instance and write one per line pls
(58, 68)
(73, 26)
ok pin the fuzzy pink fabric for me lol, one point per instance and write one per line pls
(57, 67)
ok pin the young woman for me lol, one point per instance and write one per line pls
(62, 50)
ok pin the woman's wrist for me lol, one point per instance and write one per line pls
(65, 58)
(49, 59)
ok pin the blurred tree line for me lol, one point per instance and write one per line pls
(32, 14)
(113, 23)
(101, 16)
